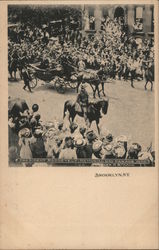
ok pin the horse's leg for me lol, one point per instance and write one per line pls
(69, 117)
(146, 84)
(151, 85)
(94, 90)
(102, 83)
(15, 75)
(79, 80)
(97, 88)
(10, 72)
(97, 123)
(78, 84)
(73, 117)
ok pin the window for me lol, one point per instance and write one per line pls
(138, 25)
(104, 17)
(91, 19)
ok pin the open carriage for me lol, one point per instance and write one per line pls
(55, 76)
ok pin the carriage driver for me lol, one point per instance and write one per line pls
(82, 100)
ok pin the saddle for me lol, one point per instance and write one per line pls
(91, 107)
(78, 107)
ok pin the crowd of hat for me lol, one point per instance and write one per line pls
(57, 140)
(112, 48)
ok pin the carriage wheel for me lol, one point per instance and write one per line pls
(72, 84)
(33, 81)
(60, 86)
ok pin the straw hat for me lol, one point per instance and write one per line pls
(97, 146)
(38, 132)
(25, 132)
(121, 138)
(79, 142)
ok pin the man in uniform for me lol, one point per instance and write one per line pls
(82, 100)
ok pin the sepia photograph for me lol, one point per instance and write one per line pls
(79, 124)
(81, 87)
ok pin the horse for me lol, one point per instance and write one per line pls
(93, 111)
(149, 76)
(93, 78)
(13, 66)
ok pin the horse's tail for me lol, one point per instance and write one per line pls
(65, 109)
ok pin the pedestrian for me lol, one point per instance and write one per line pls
(26, 78)
(37, 145)
(24, 143)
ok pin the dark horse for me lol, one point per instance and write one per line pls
(94, 79)
(93, 111)
(149, 76)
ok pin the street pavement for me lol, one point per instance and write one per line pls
(131, 111)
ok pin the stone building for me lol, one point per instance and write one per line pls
(139, 19)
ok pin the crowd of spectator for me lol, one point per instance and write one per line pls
(57, 140)
(112, 48)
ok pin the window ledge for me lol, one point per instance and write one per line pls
(141, 33)
(151, 33)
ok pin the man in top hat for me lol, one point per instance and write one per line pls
(82, 100)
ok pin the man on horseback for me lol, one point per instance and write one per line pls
(82, 100)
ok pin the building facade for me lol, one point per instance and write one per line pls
(139, 19)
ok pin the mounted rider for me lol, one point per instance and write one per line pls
(82, 100)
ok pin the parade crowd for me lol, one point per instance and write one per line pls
(123, 57)
(57, 140)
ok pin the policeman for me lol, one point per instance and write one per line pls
(82, 99)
